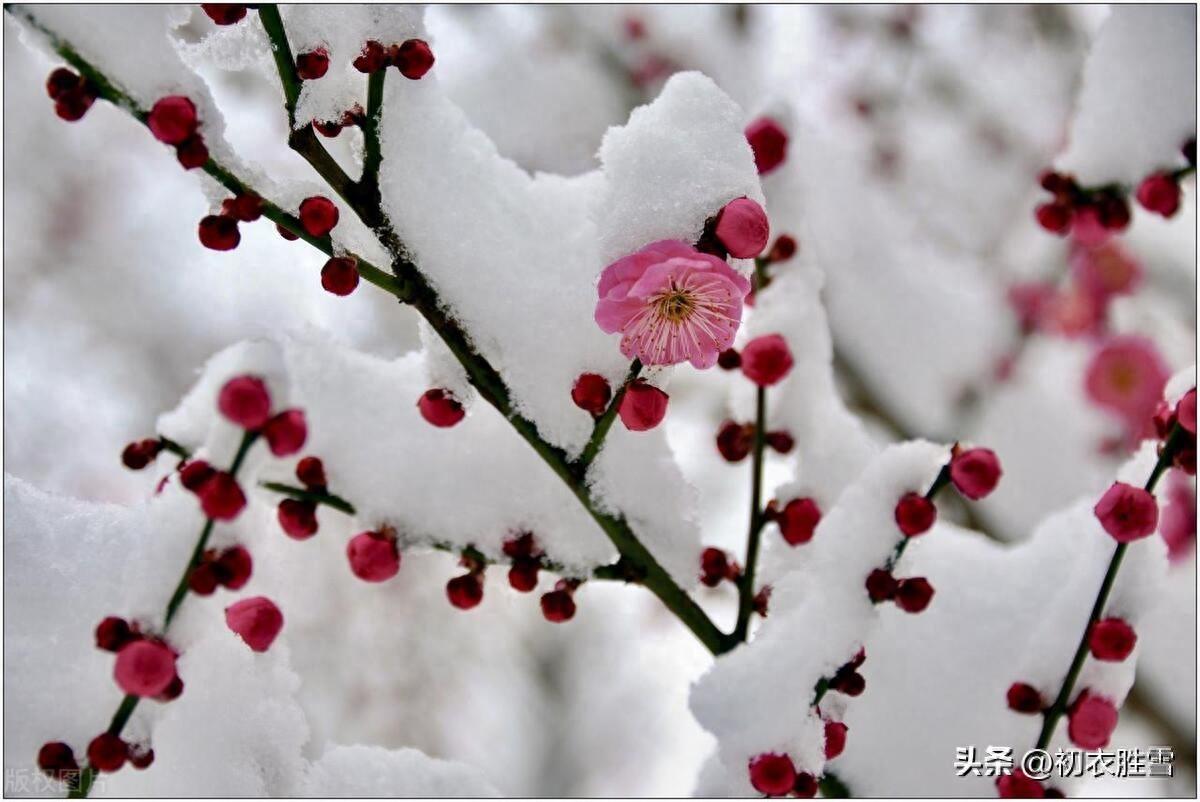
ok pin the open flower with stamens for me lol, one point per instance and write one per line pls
(671, 303)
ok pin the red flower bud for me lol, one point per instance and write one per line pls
(766, 359)
(592, 393)
(312, 65)
(256, 620)
(913, 595)
(144, 667)
(440, 407)
(915, 514)
(1111, 639)
(219, 233)
(643, 406)
(465, 591)
(769, 142)
(172, 119)
(1127, 513)
(340, 275)
(414, 58)
(1024, 698)
(245, 401)
(318, 215)
(975, 472)
(297, 518)
(772, 774)
(373, 556)
(286, 432)
(107, 752)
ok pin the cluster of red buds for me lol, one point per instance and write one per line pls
(331, 128)
(413, 58)
(736, 440)
(72, 94)
(1107, 206)
(716, 566)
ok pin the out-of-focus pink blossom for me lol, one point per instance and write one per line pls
(1126, 377)
(1178, 524)
(1106, 269)
(671, 303)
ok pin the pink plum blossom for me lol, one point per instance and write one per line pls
(671, 303)
(1126, 377)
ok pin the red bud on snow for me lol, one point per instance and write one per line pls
(318, 215)
(1111, 639)
(286, 432)
(743, 229)
(256, 620)
(835, 739)
(234, 567)
(735, 440)
(172, 119)
(311, 472)
(915, 514)
(1024, 698)
(772, 774)
(975, 472)
(465, 591)
(1127, 513)
(245, 401)
(107, 752)
(221, 497)
(224, 13)
(413, 58)
(798, 521)
(769, 142)
(913, 595)
(219, 233)
(144, 667)
(373, 556)
(312, 65)
(113, 633)
(57, 760)
(643, 406)
(766, 359)
(1159, 193)
(298, 518)
(440, 407)
(340, 275)
(591, 393)
(139, 454)
(1091, 720)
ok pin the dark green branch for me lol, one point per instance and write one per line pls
(1052, 714)
(130, 702)
(411, 287)
(325, 498)
(372, 155)
(757, 521)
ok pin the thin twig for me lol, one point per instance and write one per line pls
(1052, 714)
(130, 702)
(325, 498)
(757, 520)
(410, 286)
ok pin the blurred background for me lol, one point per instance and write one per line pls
(926, 128)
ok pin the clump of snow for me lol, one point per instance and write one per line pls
(1000, 615)
(758, 698)
(342, 32)
(372, 771)
(1137, 105)
(440, 485)
(515, 258)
